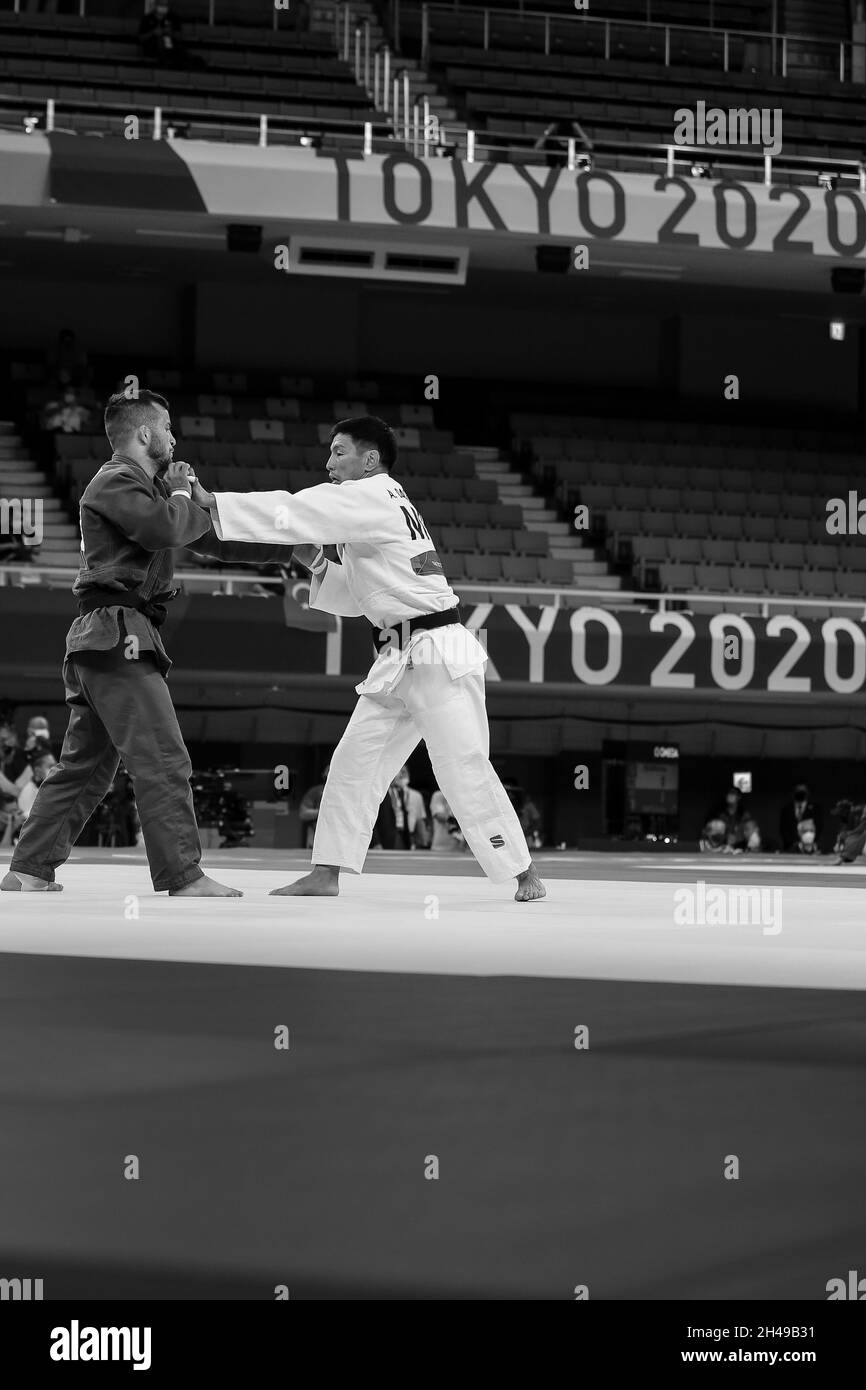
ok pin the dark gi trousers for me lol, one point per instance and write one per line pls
(117, 709)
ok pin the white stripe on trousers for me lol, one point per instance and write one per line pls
(451, 717)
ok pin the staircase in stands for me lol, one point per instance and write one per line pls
(420, 84)
(22, 479)
(564, 543)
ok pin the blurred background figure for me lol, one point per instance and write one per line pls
(117, 822)
(15, 774)
(807, 837)
(402, 819)
(159, 34)
(447, 834)
(730, 828)
(308, 810)
(38, 738)
(65, 413)
(852, 830)
(42, 765)
(67, 361)
(799, 808)
(527, 812)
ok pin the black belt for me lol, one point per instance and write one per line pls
(399, 635)
(153, 609)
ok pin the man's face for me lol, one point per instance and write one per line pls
(160, 445)
(8, 736)
(347, 459)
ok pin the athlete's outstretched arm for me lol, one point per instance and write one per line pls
(326, 514)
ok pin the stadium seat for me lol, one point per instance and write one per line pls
(283, 408)
(416, 415)
(523, 569)
(558, 572)
(494, 540)
(530, 542)
(787, 554)
(753, 553)
(718, 552)
(454, 565)
(267, 431)
(822, 557)
(503, 514)
(485, 568)
(197, 427)
(214, 405)
(748, 579)
(440, 513)
(459, 538)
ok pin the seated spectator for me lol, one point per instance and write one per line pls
(65, 414)
(807, 841)
(447, 834)
(160, 37)
(15, 774)
(729, 828)
(308, 810)
(41, 765)
(38, 738)
(799, 808)
(852, 831)
(67, 361)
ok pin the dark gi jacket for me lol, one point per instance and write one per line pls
(127, 520)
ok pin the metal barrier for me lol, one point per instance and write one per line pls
(779, 44)
(234, 583)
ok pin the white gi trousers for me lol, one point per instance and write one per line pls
(450, 715)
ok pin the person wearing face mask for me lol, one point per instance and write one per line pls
(800, 808)
(806, 837)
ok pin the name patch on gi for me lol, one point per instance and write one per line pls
(428, 563)
(497, 841)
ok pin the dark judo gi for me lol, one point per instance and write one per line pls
(115, 676)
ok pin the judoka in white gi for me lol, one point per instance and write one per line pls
(427, 681)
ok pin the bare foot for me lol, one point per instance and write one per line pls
(323, 882)
(28, 883)
(529, 886)
(205, 887)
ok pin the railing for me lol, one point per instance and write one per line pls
(233, 583)
(545, 24)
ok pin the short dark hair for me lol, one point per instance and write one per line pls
(125, 414)
(369, 430)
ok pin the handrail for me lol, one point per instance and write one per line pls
(425, 134)
(778, 38)
(611, 598)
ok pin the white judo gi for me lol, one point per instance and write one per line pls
(431, 689)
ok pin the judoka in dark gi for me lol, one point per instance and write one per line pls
(134, 513)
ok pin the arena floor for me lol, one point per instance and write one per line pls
(430, 1015)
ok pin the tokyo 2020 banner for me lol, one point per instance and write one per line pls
(293, 187)
(589, 648)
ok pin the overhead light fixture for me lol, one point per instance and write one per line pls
(837, 331)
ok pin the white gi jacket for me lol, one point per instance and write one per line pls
(389, 568)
